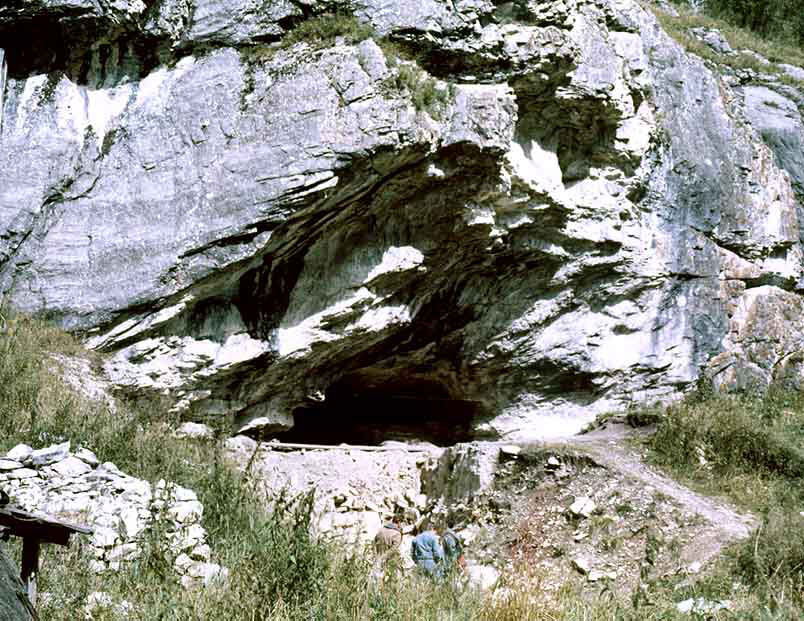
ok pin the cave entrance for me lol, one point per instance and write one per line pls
(364, 413)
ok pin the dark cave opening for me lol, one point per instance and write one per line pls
(369, 416)
(372, 420)
(65, 44)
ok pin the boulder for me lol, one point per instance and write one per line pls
(71, 466)
(582, 507)
(714, 39)
(195, 430)
(21, 453)
(50, 455)
(483, 577)
(461, 472)
(9, 464)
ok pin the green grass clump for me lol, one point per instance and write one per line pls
(751, 449)
(426, 93)
(34, 402)
(322, 30)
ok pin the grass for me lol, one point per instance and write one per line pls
(318, 32)
(739, 39)
(280, 571)
(749, 448)
(322, 30)
(426, 93)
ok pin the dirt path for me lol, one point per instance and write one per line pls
(610, 449)
(588, 509)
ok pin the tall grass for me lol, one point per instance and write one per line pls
(749, 448)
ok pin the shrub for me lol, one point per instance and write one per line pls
(322, 30)
(426, 93)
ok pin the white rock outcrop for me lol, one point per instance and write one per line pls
(556, 212)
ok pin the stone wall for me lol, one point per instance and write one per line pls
(122, 510)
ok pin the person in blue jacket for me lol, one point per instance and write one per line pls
(428, 554)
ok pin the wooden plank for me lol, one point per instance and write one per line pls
(23, 524)
(30, 566)
(294, 446)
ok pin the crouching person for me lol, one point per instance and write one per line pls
(427, 553)
(453, 552)
(388, 540)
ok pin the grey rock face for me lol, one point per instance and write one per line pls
(778, 120)
(14, 602)
(552, 214)
(3, 72)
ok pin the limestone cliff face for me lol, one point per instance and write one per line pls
(555, 211)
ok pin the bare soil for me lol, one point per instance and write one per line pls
(642, 526)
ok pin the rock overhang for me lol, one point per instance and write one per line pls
(548, 244)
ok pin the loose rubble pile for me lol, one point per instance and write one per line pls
(119, 508)
(562, 517)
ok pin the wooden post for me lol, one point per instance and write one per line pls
(30, 566)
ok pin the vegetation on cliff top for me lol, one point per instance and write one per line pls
(741, 39)
(782, 20)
